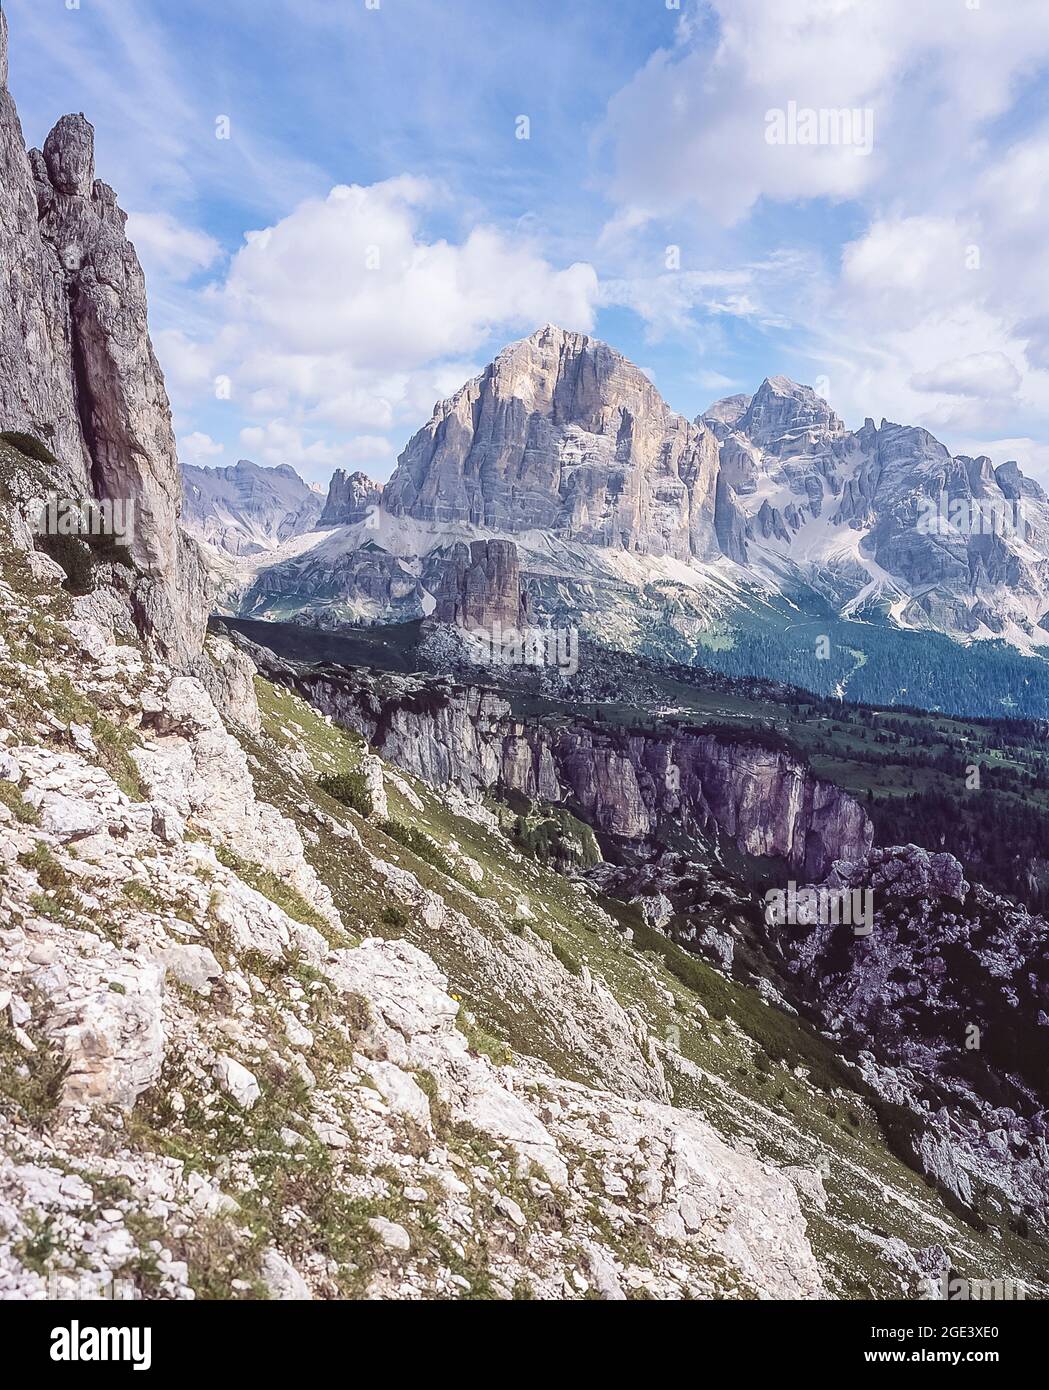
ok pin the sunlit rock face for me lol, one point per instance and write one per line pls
(562, 433)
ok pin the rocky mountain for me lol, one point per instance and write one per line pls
(884, 519)
(247, 509)
(561, 433)
(351, 497)
(77, 368)
(424, 987)
(703, 540)
(230, 1066)
(481, 588)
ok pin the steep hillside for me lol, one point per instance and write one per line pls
(209, 1086)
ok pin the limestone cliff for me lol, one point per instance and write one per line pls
(481, 587)
(77, 368)
(351, 496)
(562, 433)
(626, 784)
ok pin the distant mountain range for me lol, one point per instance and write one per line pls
(248, 509)
(762, 537)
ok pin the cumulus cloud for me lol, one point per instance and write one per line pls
(354, 276)
(936, 309)
(166, 247)
(279, 441)
(198, 448)
(979, 374)
(719, 91)
(347, 319)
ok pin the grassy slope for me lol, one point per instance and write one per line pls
(762, 1077)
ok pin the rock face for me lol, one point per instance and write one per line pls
(37, 391)
(78, 367)
(143, 971)
(333, 583)
(946, 1002)
(248, 509)
(481, 588)
(563, 434)
(948, 542)
(626, 785)
(351, 496)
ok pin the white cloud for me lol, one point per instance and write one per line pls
(345, 318)
(936, 311)
(988, 374)
(354, 276)
(197, 448)
(279, 441)
(167, 247)
(930, 74)
(667, 302)
(188, 365)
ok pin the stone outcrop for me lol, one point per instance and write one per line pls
(37, 387)
(149, 989)
(481, 588)
(78, 369)
(351, 497)
(946, 1005)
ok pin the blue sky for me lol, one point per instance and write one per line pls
(372, 231)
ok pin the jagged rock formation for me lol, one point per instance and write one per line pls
(351, 497)
(624, 784)
(333, 583)
(481, 588)
(248, 509)
(78, 369)
(37, 389)
(564, 446)
(561, 433)
(884, 518)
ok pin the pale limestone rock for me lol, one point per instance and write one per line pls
(282, 1279)
(562, 433)
(108, 1019)
(351, 496)
(400, 1091)
(67, 817)
(237, 1082)
(371, 767)
(229, 677)
(394, 1237)
(247, 509)
(656, 909)
(193, 966)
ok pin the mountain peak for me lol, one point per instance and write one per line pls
(782, 407)
(351, 496)
(561, 432)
